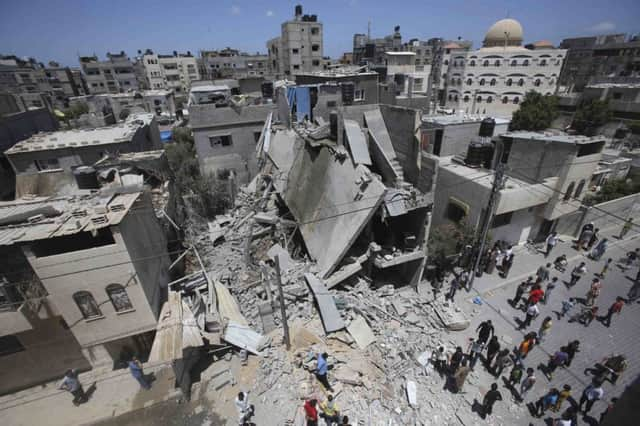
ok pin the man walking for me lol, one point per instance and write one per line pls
(590, 395)
(594, 292)
(626, 228)
(550, 286)
(551, 241)
(532, 312)
(71, 384)
(577, 273)
(455, 285)
(545, 402)
(522, 287)
(567, 305)
(493, 347)
(322, 370)
(490, 398)
(475, 349)
(527, 383)
(485, 330)
(572, 349)
(556, 360)
(605, 268)
(135, 368)
(502, 361)
(543, 273)
(615, 308)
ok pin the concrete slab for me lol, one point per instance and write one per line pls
(331, 318)
(357, 143)
(361, 332)
(286, 262)
(342, 274)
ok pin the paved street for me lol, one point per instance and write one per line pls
(597, 341)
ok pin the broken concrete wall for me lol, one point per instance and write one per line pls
(403, 124)
(428, 173)
(322, 193)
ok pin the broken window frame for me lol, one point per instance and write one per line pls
(119, 298)
(87, 305)
(220, 141)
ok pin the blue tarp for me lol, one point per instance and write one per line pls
(165, 135)
(301, 99)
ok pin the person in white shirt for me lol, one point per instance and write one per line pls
(72, 384)
(590, 395)
(551, 241)
(245, 410)
(532, 312)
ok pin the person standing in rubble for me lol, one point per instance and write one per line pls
(460, 376)
(485, 330)
(311, 412)
(322, 370)
(329, 411)
(489, 399)
(245, 410)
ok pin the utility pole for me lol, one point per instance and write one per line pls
(488, 216)
(283, 310)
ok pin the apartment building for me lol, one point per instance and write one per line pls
(114, 75)
(27, 80)
(82, 281)
(299, 48)
(171, 72)
(231, 63)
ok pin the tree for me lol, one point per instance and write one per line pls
(612, 189)
(590, 115)
(536, 112)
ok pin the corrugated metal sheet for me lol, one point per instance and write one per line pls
(243, 337)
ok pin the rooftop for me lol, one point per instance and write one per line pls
(614, 86)
(47, 217)
(209, 88)
(460, 119)
(551, 137)
(400, 53)
(122, 132)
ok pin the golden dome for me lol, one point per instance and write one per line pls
(505, 32)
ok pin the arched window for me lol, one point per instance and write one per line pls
(490, 99)
(482, 82)
(497, 63)
(466, 98)
(525, 63)
(509, 82)
(472, 63)
(459, 82)
(87, 305)
(469, 81)
(479, 99)
(516, 100)
(492, 82)
(551, 82)
(543, 62)
(485, 63)
(567, 194)
(558, 61)
(505, 99)
(119, 297)
(514, 63)
(579, 189)
(450, 97)
(537, 82)
(453, 81)
(446, 62)
(521, 82)
(455, 98)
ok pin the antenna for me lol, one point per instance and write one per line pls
(369, 30)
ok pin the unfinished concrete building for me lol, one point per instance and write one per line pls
(83, 279)
(358, 191)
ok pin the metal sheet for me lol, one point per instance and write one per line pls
(243, 337)
(331, 318)
(357, 143)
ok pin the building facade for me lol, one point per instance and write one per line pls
(114, 75)
(494, 79)
(231, 63)
(299, 48)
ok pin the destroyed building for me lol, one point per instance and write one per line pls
(82, 282)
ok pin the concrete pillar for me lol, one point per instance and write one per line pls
(98, 356)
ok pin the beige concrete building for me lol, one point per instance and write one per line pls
(171, 72)
(494, 79)
(115, 75)
(82, 284)
(299, 47)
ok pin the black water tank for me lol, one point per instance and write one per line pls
(267, 89)
(487, 155)
(333, 125)
(399, 79)
(298, 10)
(348, 92)
(475, 154)
(86, 177)
(486, 127)
(621, 132)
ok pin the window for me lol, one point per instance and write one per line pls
(525, 63)
(472, 63)
(223, 140)
(296, 67)
(10, 345)
(501, 220)
(446, 62)
(579, 189)
(485, 63)
(492, 82)
(331, 104)
(455, 213)
(73, 242)
(567, 194)
(295, 51)
(589, 148)
(521, 82)
(315, 30)
(482, 82)
(358, 95)
(505, 100)
(514, 63)
(466, 98)
(551, 82)
(543, 63)
(450, 97)
(315, 62)
(469, 81)
(537, 82)
(497, 63)
(156, 102)
(489, 99)
(48, 164)
(119, 298)
(455, 98)
(509, 82)
(453, 81)
(87, 305)
(315, 47)
(479, 99)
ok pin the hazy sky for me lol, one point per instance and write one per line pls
(62, 29)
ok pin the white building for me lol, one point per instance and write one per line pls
(299, 47)
(115, 75)
(171, 72)
(494, 79)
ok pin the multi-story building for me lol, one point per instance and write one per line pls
(578, 63)
(494, 79)
(68, 149)
(27, 80)
(299, 47)
(231, 63)
(171, 72)
(115, 75)
(81, 284)
(372, 51)
(65, 83)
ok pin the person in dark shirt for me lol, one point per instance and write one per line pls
(485, 330)
(490, 398)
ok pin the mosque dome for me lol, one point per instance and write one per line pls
(505, 32)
